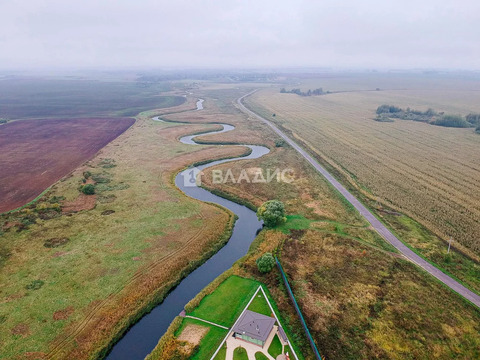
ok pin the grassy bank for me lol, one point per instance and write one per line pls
(115, 255)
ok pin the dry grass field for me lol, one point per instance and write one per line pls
(429, 173)
(360, 298)
(73, 280)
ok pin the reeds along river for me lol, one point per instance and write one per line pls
(142, 338)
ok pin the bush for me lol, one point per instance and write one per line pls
(280, 143)
(477, 130)
(473, 119)
(3, 121)
(87, 174)
(383, 118)
(265, 263)
(272, 213)
(388, 109)
(88, 189)
(101, 178)
(452, 121)
(35, 285)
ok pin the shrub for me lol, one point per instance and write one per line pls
(383, 118)
(388, 109)
(473, 119)
(477, 130)
(280, 143)
(56, 199)
(3, 121)
(272, 213)
(452, 121)
(265, 263)
(42, 207)
(35, 285)
(88, 189)
(101, 178)
(55, 242)
(87, 174)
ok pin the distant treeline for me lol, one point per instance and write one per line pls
(318, 91)
(387, 113)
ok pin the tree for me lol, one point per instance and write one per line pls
(88, 189)
(473, 119)
(265, 263)
(272, 213)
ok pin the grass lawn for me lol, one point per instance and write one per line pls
(275, 347)
(260, 305)
(209, 342)
(222, 353)
(296, 222)
(288, 350)
(226, 303)
(260, 356)
(240, 354)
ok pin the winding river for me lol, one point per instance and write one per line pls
(141, 338)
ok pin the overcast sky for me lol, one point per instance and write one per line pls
(234, 33)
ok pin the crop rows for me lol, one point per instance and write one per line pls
(429, 173)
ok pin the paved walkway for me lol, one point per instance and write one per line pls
(377, 225)
(206, 321)
(252, 349)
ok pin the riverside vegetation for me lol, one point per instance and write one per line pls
(133, 255)
(360, 298)
(77, 270)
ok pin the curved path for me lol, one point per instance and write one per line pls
(142, 337)
(377, 225)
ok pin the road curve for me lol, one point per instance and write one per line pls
(377, 225)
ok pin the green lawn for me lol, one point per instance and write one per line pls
(296, 222)
(222, 353)
(260, 305)
(260, 356)
(209, 342)
(226, 303)
(276, 347)
(288, 350)
(240, 354)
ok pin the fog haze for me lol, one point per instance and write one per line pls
(229, 33)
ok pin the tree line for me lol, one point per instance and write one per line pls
(387, 113)
(318, 91)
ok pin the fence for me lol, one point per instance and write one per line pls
(302, 320)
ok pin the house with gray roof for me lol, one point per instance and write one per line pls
(253, 327)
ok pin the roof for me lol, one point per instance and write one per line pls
(282, 334)
(255, 325)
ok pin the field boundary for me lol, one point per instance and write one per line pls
(297, 309)
(381, 229)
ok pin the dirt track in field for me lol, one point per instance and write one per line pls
(34, 154)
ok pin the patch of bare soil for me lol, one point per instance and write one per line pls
(82, 202)
(21, 329)
(63, 314)
(193, 334)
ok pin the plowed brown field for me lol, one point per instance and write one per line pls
(36, 154)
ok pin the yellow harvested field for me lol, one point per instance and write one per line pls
(430, 173)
